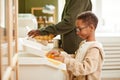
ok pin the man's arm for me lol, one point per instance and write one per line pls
(68, 22)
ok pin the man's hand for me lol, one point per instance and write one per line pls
(33, 33)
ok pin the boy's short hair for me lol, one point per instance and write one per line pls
(88, 18)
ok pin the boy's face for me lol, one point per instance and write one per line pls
(82, 30)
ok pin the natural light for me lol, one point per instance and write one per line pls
(108, 12)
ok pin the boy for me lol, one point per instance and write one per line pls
(88, 60)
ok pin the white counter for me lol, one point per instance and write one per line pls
(33, 64)
(32, 67)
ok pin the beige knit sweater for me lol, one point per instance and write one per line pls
(87, 63)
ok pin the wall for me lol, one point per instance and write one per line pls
(26, 5)
(21, 6)
(111, 65)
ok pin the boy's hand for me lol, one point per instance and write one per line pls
(34, 33)
(55, 54)
(59, 58)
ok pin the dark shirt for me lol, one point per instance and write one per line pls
(66, 28)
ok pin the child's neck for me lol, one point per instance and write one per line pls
(91, 39)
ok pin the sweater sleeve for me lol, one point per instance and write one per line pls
(89, 64)
(67, 24)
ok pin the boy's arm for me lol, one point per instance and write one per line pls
(89, 64)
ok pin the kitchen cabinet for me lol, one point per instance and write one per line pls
(43, 68)
(32, 58)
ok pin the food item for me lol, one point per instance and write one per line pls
(53, 54)
(50, 56)
(45, 37)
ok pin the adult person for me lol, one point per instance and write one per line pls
(66, 27)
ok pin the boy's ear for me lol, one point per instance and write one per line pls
(92, 27)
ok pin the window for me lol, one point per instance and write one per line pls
(108, 13)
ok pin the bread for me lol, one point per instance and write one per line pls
(45, 37)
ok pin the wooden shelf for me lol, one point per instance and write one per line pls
(42, 22)
(43, 18)
(35, 8)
